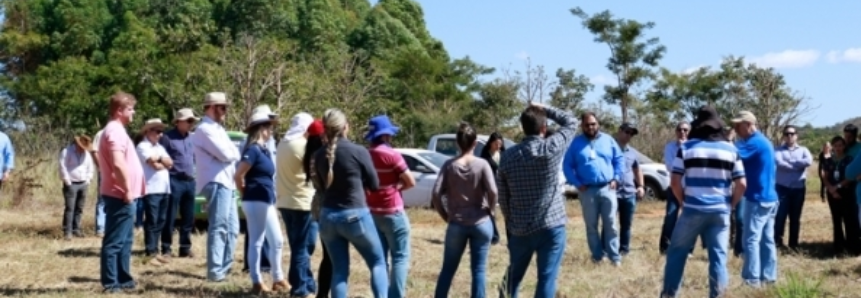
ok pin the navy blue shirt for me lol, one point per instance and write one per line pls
(259, 185)
(181, 151)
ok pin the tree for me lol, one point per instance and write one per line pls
(570, 90)
(633, 56)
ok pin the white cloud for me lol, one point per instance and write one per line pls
(601, 80)
(848, 55)
(523, 55)
(787, 59)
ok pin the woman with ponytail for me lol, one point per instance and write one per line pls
(346, 171)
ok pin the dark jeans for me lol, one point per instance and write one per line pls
(737, 229)
(324, 274)
(670, 219)
(139, 213)
(549, 246)
(627, 208)
(302, 237)
(155, 211)
(181, 202)
(117, 244)
(844, 218)
(75, 196)
(791, 204)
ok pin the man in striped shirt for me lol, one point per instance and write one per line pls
(713, 184)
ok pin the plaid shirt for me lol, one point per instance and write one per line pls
(530, 192)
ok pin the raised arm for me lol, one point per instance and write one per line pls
(560, 140)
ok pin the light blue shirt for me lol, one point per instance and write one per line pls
(593, 162)
(792, 165)
(7, 153)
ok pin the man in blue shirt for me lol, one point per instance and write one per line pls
(760, 208)
(178, 145)
(630, 188)
(792, 162)
(594, 164)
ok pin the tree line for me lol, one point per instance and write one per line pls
(62, 58)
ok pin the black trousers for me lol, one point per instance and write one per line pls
(844, 219)
(324, 274)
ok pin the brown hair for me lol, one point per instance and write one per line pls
(119, 101)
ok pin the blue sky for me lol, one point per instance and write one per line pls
(815, 44)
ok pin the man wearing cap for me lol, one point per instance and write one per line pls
(595, 165)
(714, 182)
(123, 184)
(215, 160)
(294, 203)
(156, 202)
(76, 171)
(386, 203)
(179, 147)
(761, 201)
(630, 187)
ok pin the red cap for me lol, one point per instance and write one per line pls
(316, 128)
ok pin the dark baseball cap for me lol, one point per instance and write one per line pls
(850, 128)
(627, 126)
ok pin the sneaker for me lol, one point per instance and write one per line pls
(79, 234)
(617, 264)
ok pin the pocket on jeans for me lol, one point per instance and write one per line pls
(354, 226)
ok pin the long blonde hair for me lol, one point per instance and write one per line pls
(335, 123)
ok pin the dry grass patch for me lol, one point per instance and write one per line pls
(37, 262)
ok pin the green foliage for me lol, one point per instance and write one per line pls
(797, 286)
(633, 56)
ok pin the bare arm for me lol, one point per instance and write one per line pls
(239, 177)
(407, 181)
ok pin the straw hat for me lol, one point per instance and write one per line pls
(260, 115)
(85, 142)
(184, 114)
(153, 123)
(215, 98)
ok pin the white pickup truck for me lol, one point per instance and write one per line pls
(447, 144)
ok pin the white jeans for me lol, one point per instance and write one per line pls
(262, 220)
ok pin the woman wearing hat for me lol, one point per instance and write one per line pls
(386, 203)
(254, 180)
(156, 200)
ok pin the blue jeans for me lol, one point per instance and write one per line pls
(155, 208)
(549, 245)
(456, 238)
(760, 252)
(599, 203)
(394, 231)
(714, 227)
(670, 219)
(738, 222)
(791, 204)
(627, 208)
(222, 232)
(302, 238)
(100, 207)
(182, 203)
(115, 261)
(341, 227)
(139, 213)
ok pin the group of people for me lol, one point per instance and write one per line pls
(321, 182)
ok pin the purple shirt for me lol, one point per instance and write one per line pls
(181, 151)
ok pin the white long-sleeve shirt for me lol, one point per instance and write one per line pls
(215, 155)
(76, 167)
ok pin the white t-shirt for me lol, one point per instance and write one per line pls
(157, 181)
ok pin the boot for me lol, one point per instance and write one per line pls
(260, 289)
(281, 286)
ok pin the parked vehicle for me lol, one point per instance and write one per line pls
(425, 166)
(655, 174)
(447, 144)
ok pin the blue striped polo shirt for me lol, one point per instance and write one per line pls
(708, 169)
